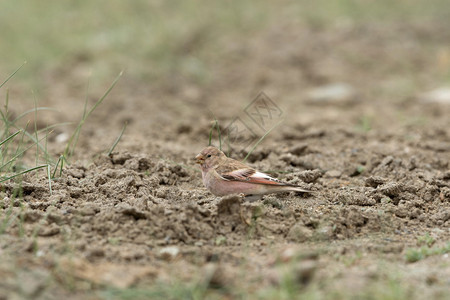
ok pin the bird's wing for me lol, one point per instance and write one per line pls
(234, 170)
(239, 175)
(251, 176)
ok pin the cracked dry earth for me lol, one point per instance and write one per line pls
(140, 219)
(134, 219)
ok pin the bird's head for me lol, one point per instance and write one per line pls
(209, 157)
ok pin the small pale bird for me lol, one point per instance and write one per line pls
(225, 176)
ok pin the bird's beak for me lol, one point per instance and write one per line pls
(199, 159)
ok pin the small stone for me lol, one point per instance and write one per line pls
(62, 138)
(444, 215)
(310, 175)
(75, 172)
(333, 174)
(414, 213)
(324, 233)
(55, 217)
(120, 158)
(132, 253)
(32, 216)
(440, 95)
(49, 231)
(94, 252)
(287, 254)
(169, 253)
(401, 212)
(129, 210)
(374, 181)
(216, 275)
(338, 93)
(391, 189)
(432, 279)
(87, 211)
(299, 149)
(305, 270)
(75, 192)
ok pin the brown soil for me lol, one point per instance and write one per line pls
(141, 217)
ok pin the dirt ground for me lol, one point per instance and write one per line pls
(140, 224)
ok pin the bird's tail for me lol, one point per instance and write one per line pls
(295, 188)
(287, 188)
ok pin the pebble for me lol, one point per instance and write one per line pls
(440, 95)
(216, 275)
(333, 93)
(305, 270)
(48, 231)
(333, 173)
(169, 253)
(62, 138)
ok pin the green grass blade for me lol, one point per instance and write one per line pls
(10, 137)
(21, 173)
(46, 155)
(64, 160)
(216, 124)
(210, 135)
(86, 98)
(118, 139)
(74, 138)
(12, 75)
(35, 127)
(31, 137)
(5, 115)
(32, 110)
(7, 102)
(5, 123)
(17, 155)
(99, 101)
(55, 125)
(49, 180)
(218, 132)
(60, 159)
(261, 139)
(77, 132)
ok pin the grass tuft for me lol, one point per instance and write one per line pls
(118, 139)
(6, 178)
(416, 254)
(215, 125)
(73, 140)
(426, 239)
(16, 141)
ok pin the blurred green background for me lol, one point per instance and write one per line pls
(156, 40)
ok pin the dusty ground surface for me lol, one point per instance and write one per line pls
(139, 223)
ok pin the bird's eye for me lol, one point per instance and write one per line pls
(209, 155)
